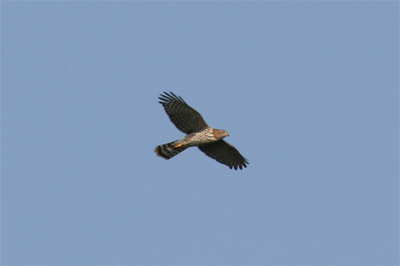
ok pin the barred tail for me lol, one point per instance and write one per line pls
(167, 151)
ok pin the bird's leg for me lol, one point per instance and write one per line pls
(178, 145)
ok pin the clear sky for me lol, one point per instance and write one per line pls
(307, 90)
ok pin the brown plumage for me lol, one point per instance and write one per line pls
(208, 140)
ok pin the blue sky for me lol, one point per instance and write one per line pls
(308, 91)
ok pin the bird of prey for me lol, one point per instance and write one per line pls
(207, 139)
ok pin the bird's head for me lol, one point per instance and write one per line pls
(219, 133)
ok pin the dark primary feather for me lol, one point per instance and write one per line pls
(224, 153)
(184, 117)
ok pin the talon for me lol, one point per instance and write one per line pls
(178, 145)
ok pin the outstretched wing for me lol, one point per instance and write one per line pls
(224, 153)
(184, 117)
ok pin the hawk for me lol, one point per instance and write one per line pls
(207, 139)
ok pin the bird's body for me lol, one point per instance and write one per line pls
(199, 134)
(205, 136)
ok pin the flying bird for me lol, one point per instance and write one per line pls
(207, 139)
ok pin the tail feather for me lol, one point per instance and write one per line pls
(167, 151)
